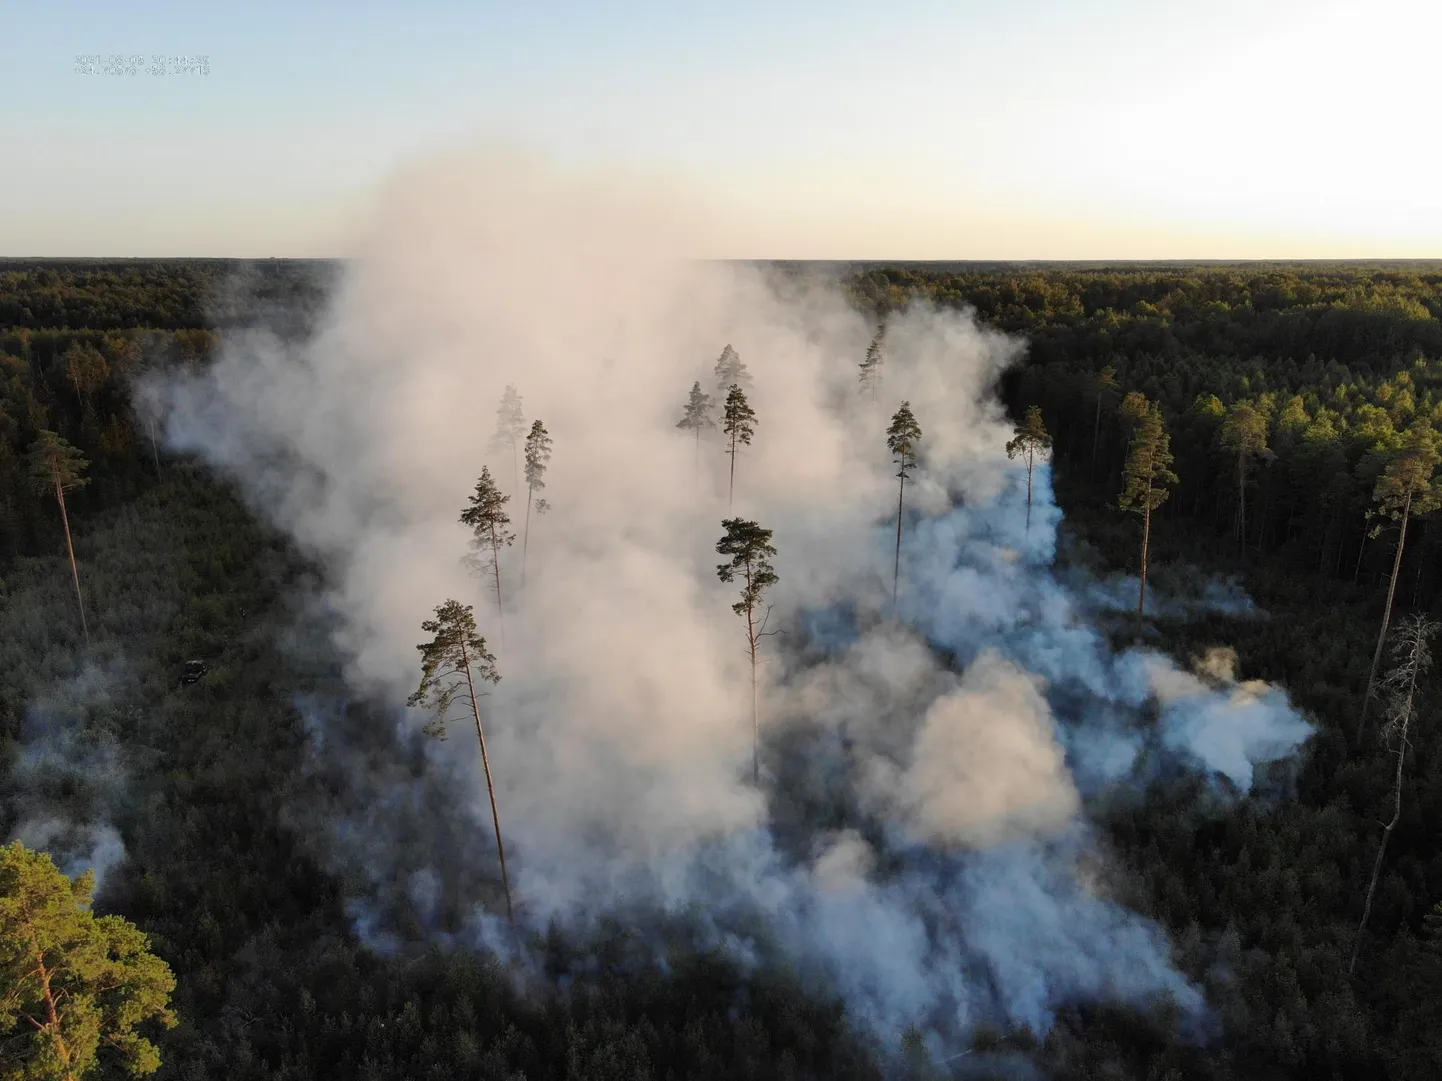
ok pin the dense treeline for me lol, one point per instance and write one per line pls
(1304, 382)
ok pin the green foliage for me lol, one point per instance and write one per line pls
(749, 547)
(1149, 459)
(902, 438)
(538, 456)
(73, 986)
(485, 513)
(54, 463)
(1030, 437)
(738, 421)
(451, 662)
(1406, 483)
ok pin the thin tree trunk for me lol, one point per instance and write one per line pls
(1387, 831)
(526, 536)
(70, 548)
(896, 569)
(1386, 619)
(1029, 462)
(1357, 570)
(154, 450)
(755, 721)
(698, 457)
(496, 567)
(1146, 545)
(490, 786)
(731, 491)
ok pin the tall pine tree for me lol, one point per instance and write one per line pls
(56, 468)
(538, 458)
(451, 663)
(1145, 478)
(486, 515)
(749, 547)
(1030, 438)
(738, 423)
(901, 438)
(1404, 489)
(695, 417)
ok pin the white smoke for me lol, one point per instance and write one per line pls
(69, 779)
(918, 841)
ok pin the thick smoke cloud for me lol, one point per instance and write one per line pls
(919, 841)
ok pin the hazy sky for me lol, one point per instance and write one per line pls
(1013, 129)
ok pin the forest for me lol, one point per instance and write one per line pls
(1268, 426)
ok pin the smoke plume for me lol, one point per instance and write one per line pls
(919, 841)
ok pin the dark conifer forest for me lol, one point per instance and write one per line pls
(1298, 403)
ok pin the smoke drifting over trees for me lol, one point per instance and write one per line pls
(930, 855)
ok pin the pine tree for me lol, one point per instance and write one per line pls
(730, 371)
(901, 439)
(1410, 649)
(1106, 382)
(738, 423)
(1145, 479)
(74, 987)
(1244, 431)
(749, 547)
(510, 429)
(1030, 438)
(87, 371)
(872, 364)
(538, 457)
(696, 416)
(57, 467)
(486, 515)
(451, 662)
(1403, 489)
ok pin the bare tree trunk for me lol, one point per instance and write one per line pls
(1401, 753)
(731, 491)
(526, 535)
(1029, 462)
(496, 568)
(896, 569)
(154, 450)
(1357, 570)
(70, 548)
(490, 786)
(755, 718)
(1386, 619)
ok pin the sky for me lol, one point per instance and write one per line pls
(912, 129)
